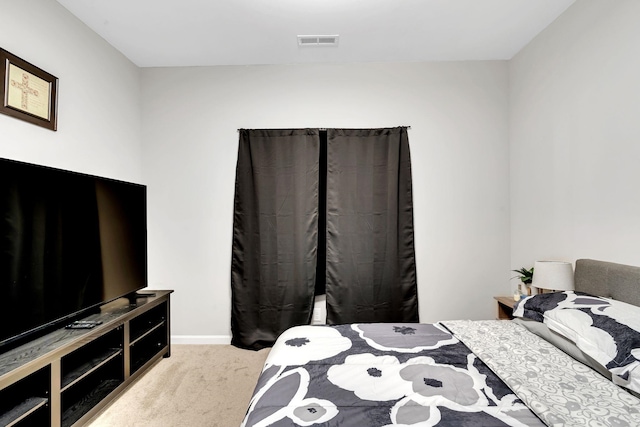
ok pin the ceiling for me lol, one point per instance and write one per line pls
(161, 33)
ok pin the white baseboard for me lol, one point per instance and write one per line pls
(200, 339)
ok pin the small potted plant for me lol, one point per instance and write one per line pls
(526, 277)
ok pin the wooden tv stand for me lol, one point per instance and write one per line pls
(66, 377)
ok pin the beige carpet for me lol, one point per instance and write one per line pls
(199, 385)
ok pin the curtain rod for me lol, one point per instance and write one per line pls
(324, 129)
(406, 127)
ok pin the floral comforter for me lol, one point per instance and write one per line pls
(379, 375)
(365, 375)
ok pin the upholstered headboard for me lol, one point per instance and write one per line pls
(607, 279)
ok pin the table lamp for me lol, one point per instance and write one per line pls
(553, 275)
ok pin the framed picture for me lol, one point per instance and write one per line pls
(27, 92)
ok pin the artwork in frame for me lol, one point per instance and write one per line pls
(28, 92)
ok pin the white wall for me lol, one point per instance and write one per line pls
(99, 124)
(566, 123)
(546, 142)
(458, 115)
(574, 137)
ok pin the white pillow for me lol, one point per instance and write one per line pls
(604, 329)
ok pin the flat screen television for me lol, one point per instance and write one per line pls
(69, 242)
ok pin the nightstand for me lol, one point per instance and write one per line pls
(505, 307)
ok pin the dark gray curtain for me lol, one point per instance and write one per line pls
(370, 261)
(371, 272)
(275, 228)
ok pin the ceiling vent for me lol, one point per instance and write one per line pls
(318, 40)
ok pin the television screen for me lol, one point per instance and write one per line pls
(69, 242)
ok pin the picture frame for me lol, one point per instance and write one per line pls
(27, 92)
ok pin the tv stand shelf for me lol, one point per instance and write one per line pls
(22, 411)
(66, 377)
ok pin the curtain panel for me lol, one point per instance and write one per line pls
(366, 230)
(371, 270)
(275, 228)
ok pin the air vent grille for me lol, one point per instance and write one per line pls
(318, 40)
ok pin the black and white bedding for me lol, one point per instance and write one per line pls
(458, 373)
(468, 373)
(605, 329)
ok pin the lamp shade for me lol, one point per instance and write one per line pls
(556, 275)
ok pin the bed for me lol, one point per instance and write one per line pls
(569, 358)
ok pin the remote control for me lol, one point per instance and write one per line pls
(83, 324)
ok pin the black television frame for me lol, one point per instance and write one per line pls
(48, 323)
